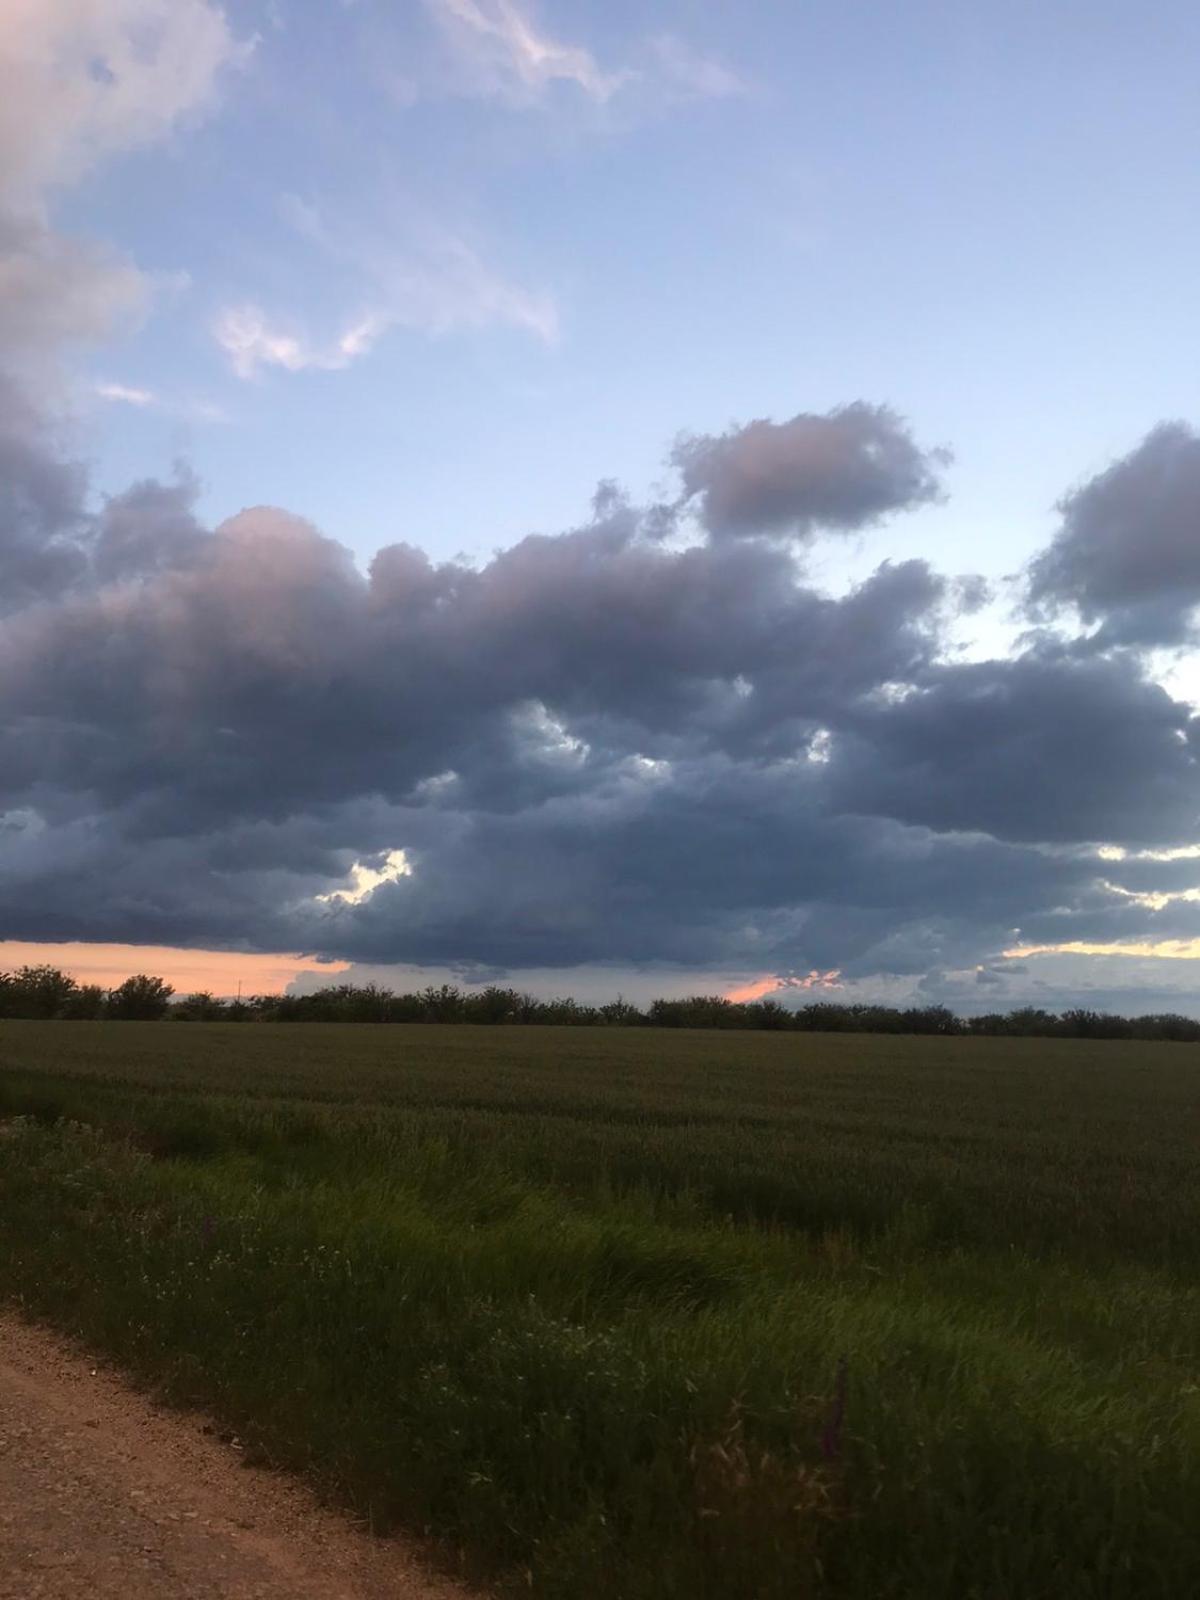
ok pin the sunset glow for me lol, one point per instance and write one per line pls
(218, 972)
(755, 990)
(771, 983)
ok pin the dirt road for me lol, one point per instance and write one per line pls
(105, 1497)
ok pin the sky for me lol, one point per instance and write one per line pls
(610, 497)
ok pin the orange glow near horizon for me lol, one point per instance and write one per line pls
(771, 983)
(755, 990)
(218, 972)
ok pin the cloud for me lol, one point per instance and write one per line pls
(496, 50)
(42, 512)
(1052, 981)
(84, 80)
(1039, 748)
(125, 394)
(52, 543)
(1128, 552)
(500, 52)
(1159, 949)
(843, 470)
(432, 282)
(252, 342)
(600, 747)
(148, 529)
(186, 408)
(57, 292)
(774, 984)
(364, 880)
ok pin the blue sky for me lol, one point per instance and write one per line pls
(424, 273)
(984, 215)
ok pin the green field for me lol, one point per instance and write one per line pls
(636, 1313)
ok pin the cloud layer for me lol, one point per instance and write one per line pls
(648, 739)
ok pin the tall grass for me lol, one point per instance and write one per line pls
(646, 1314)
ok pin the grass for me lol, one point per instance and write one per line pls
(644, 1313)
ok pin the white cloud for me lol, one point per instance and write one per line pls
(431, 282)
(359, 338)
(183, 408)
(1152, 899)
(57, 291)
(820, 748)
(497, 51)
(365, 880)
(124, 394)
(502, 53)
(81, 80)
(252, 342)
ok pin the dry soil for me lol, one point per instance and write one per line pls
(104, 1496)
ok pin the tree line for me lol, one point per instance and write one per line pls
(47, 993)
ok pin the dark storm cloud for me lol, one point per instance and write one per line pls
(1040, 748)
(841, 470)
(52, 544)
(266, 668)
(711, 864)
(705, 866)
(149, 528)
(41, 508)
(1128, 552)
(607, 745)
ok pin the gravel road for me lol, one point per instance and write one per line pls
(103, 1496)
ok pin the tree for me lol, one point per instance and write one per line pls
(619, 1013)
(40, 992)
(140, 999)
(1083, 1024)
(493, 1004)
(198, 1007)
(84, 1004)
(766, 1014)
(444, 1004)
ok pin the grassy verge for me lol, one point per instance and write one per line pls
(652, 1315)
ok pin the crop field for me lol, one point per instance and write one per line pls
(649, 1313)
